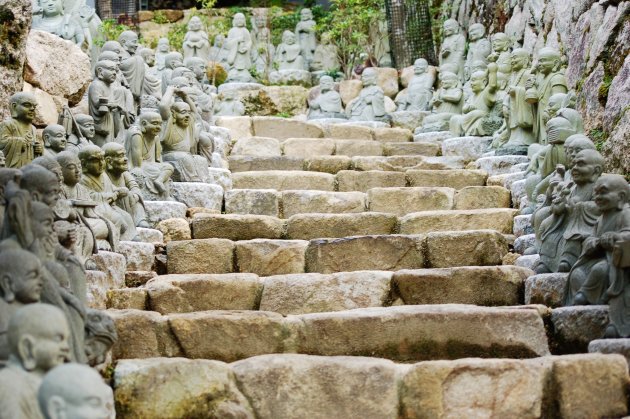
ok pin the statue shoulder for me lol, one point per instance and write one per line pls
(558, 79)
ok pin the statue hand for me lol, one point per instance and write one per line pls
(607, 240)
(38, 148)
(122, 192)
(590, 245)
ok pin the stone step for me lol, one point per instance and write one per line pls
(296, 386)
(353, 253)
(314, 293)
(499, 219)
(402, 333)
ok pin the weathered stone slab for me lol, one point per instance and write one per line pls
(479, 197)
(575, 326)
(388, 135)
(328, 164)
(470, 148)
(497, 165)
(499, 219)
(465, 248)
(442, 163)
(611, 346)
(150, 235)
(163, 210)
(139, 255)
(249, 163)
(138, 278)
(528, 261)
(127, 298)
(523, 225)
(98, 284)
(236, 227)
(547, 289)
(385, 253)
(302, 386)
(484, 286)
(256, 146)
(113, 265)
(353, 148)
(252, 201)
(284, 180)
(314, 292)
(200, 292)
(411, 149)
(388, 164)
(175, 229)
(455, 178)
(524, 242)
(401, 201)
(408, 119)
(350, 180)
(349, 132)
(239, 126)
(198, 194)
(200, 256)
(282, 128)
(308, 147)
(302, 202)
(436, 136)
(313, 226)
(271, 257)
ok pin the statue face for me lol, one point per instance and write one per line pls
(26, 280)
(238, 20)
(56, 138)
(420, 67)
(368, 77)
(199, 69)
(546, 63)
(90, 404)
(583, 171)
(117, 161)
(163, 45)
(449, 82)
(606, 197)
(87, 128)
(72, 172)
(476, 32)
(130, 44)
(50, 192)
(149, 58)
(24, 109)
(94, 164)
(107, 73)
(182, 116)
(50, 345)
(477, 82)
(550, 111)
(194, 24)
(500, 43)
(306, 14)
(451, 27)
(326, 84)
(289, 38)
(51, 8)
(518, 61)
(152, 126)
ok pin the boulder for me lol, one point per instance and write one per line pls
(271, 257)
(387, 79)
(200, 256)
(313, 226)
(288, 99)
(252, 201)
(127, 298)
(98, 285)
(138, 278)
(143, 334)
(465, 248)
(574, 327)
(150, 235)
(163, 210)
(408, 119)
(175, 229)
(497, 165)
(48, 107)
(547, 289)
(349, 89)
(139, 255)
(611, 346)
(470, 148)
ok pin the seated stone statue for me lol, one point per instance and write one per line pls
(326, 56)
(447, 101)
(288, 53)
(144, 151)
(420, 89)
(370, 104)
(598, 277)
(229, 105)
(74, 391)
(54, 20)
(38, 342)
(501, 55)
(328, 103)
(82, 133)
(478, 107)
(54, 137)
(18, 138)
(163, 48)
(196, 43)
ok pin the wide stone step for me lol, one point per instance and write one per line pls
(295, 386)
(314, 293)
(403, 333)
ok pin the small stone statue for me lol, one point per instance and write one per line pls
(239, 45)
(501, 55)
(289, 54)
(74, 391)
(196, 43)
(326, 56)
(54, 20)
(38, 342)
(81, 134)
(305, 30)
(132, 66)
(18, 138)
(145, 156)
(599, 276)
(478, 48)
(328, 103)
(453, 48)
(229, 105)
(219, 52)
(420, 89)
(102, 104)
(263, 51)
(163, 48)
(370, 104)
(447, 101)
(100, 336)
(54, 137)
(172, 61)
(478, 106)
(152, 82)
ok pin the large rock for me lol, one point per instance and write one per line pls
(456, 178)
(256, 146)
(615, 148)
(284, 180)
(174, 229)
(198, 194)
(611, 346)
(314, 226)
(271, 257)
(163, 210)
(282, 128)
(350, 180)
(470, 148)
(300, 386)
(139, 255)
(178, 388)
(499, 219)
(497, 165)
(56, 66)
(401, 201)
(574, 327)
(465, 248)
(287, 99)
(547, 289)
(349, 89)
(387, 79)
(236, 227)
(200, 256)
(252, 201)
(302, 202)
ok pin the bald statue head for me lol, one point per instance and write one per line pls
(173, 60)
(181, 114)
(197, 65)
(20, 276)
(150, 123)
(86, 125)
(587, 166)
(54, 136)
(576, 143)
(611, 193)
(74, 391)
(92, 160)
(549, 60)
(38, 338)
(42, 184)
(23, 105)
(500, 42)
(558, 130)
(113, 46)
(476, 31)
(519, 59)
(129, 41)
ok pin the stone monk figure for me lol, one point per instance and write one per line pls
(196, 42)
(420, 89)
(81, 135)
(453, 48)
(478, 48)
(132, 65)
(55, 141)
(239, 45)
(447, 101)
(289, 53)
(370, 104)
(18, 138)
(305, 31)
(328, 103)
(54, 20)
(102, 103)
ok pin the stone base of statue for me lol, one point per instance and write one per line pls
(163, 210)
(512, 150)
(435, 125)
(291, 77)
(408, 119)
(182, 174)
(147, 194)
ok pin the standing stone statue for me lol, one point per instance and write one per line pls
(305, 30)
(420, 89)
(196, 42)
(152, 82)
(132, 66)
(102, 104)
(452, 50)
(289, 53)
(38, 342)
(145, 156)
(54, 137)
(122, 97)
(501, 55)
(326, 56)
(172, 61)
(328, 103)
(239, 45)
(54, 20)
(18, 138)
(447, 101)
(263, 51)
(478, 107)
(478, 48)
(219, 52)
(370, 104)
(163, 48)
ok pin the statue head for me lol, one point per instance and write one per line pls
(70, 167)
(55, 137)
(181, 114)
(553, 106)
(449, 80)
(106, 71)
(109, 56)
(173, 60)
(478, 65)
(186, 73)
(92, 160)
(549, 60)
(115, 158)
(558, 130)
(325, 38)
(611, 193)
(51, 8)
(288, 38)
(587, 166)
(163, 45)
(180, 82)
(101, 335)
(74, 391)
(129, 41)
(451, 27)
(500, 42)
(519, 59)
(420, 66)
(476, 31)
(576, 143)
(573, 116)
(218, 41)
(198, 66)
(112, 46)
(148, 55)
(150, 123)
(478, 81)
(43, 223)
(20, 276)
(38, 338)
(326, 84)
(41, 183)
(194, 24)
(86, 125)
(369, 77)
(306, 14)
(238, 21)
(23, 105)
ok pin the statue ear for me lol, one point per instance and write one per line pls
(55, 408)
(6, 289)
(26, 352)
(598, 171)
(623, 200)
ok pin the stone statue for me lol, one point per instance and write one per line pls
(54, 20)
(370, 104)
(547, 81)
(152, 81)
(102, 104)
(453, 48)
(132, 66)
(420, 89)
(54, 137)
(479, 106)
(478, 48)
(163, 48)
(219, 52)
(196, 43)
(172, 61)
(74, 391)
(553, 106)
(38, 342)
(18, 138)
(203, 92)
(328, 103)
(100, 336)
(144, 151)
(288, 54)
(239, 45)
(104, 193)
(123, 102)
(229, 104)
(263, 51)
(447, 101)
(305, 30)
(501, 55)
(597, 276)
(326, 56)
(81, 133)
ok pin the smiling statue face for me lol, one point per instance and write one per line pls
(86, 125)
(151, 125)
(478, 81)
(51, 8)
(586, 167)
(55, 136)
(420, 66)
(610, 192)
(181, 113)
(306, 14)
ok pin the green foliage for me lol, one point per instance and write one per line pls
(159, 17)
(207, 4)
(284, 115)
(283, 20)
(111, 29)
(176, 34)
(599, 137)
(216, 74)
(603, 89)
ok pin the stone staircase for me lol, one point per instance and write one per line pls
(351, 273)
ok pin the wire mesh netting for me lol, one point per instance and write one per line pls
(124, 11)
(409, 28)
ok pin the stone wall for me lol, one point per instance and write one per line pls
(594, 36)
